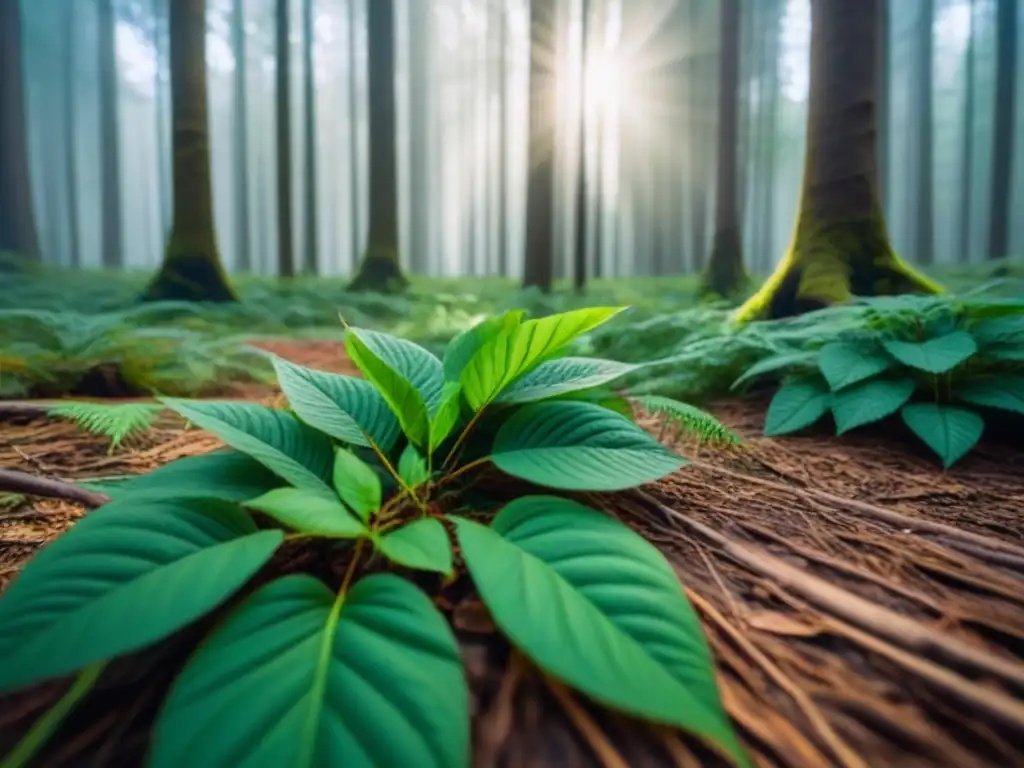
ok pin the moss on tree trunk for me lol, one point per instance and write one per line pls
(379, 272)
(840, 245)
(191, 270)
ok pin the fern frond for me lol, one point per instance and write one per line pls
(688, 419)
(116, 422)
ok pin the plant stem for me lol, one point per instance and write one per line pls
(394, 473)
(462, 438)
(48, 724)
(464, 469)
(351, 570)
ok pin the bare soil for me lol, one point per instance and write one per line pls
(865, 607)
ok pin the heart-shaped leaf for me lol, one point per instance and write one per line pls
(595, 605)
(798, 403)
(298, 678)
(561, 376)
(950, 432)
(422, 544)
(125, 576)
(345, 407)
(869, 401)
(937, 355)
(844, 363)
(357, 484)
(1002, 391)
(280, 442)
(578, 446)
(306, 512)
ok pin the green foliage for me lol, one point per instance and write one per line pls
(116, 422)
(944, 366)
(300, 672)
(689, 419)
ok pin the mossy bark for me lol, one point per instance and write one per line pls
(191, 270)
(379, 272)
(840, 246)
(725, 275)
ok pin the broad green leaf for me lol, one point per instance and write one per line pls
(594, 604)
(447, 415)
(950, 432)
(577, 446)
(409, 360)
(309, 513)
(125, 576)
(869, 401)
(357, 484)
(229, 475)
(297, 678)
(999, 330)
(938, 355)
(559, 377)
(805, 359)
(461, 349)
(1003, 391)
(280, 442)
(1013, 354)
(516, 350)
(412, 467)
(405, 400)
(422, 544)
(845, 363)
(345, 407)
(797, 404)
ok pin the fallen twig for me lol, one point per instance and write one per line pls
(13, 481)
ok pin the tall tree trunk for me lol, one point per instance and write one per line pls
(725, 274)
(967, 145)
(309, 258)
(191, 269)
(580, 240)
(17, 213)
(110, 149)
(380, 270)
(243, 244)
(502, 54)
(70, 81)
(285, 241)
(1002, 134)
(771, 116)
(698, 136)
(353, 126)
(925, 224)
(884, 70)
(420, 55)
(159, 10)
(840, 247)
(540, 192)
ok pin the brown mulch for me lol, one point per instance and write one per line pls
(865, 607)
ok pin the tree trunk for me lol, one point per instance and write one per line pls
(502, 12)
(285, 241)
(1002, 134)
(884, 69)
(540, 191)
(725, 274)
(353, 127)
(17, 214)
(309, 257)
(380, 269)
(110, 149)
(580, 240)
(698, 136)
(967, 146)
(159, 8)
(192, 269)
(243, 245)
(420, 55)
(925, 224)
(70, 81)
(840, 246)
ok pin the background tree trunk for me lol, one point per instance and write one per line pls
(70, 82)
(243, 245)
(580, 240)
(967, 144)
(540, 192)
(312, 247)
(925, 222)
(191, 270)
(110, 145)
(1002, 134)
(285, 242)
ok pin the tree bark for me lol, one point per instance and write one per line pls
(967, 146)
(309, 256)
(70, 81)
(243, 244)
(725, 274)
(925, 224)
(285, 241)
(540, 191)
(110, 145)
(353, 127)
(191, 269)
(1002, 134)
(840, 247)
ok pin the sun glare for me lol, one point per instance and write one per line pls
(604, 84)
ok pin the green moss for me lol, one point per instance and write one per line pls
(191, 271)
(379, 272)
(830, 265)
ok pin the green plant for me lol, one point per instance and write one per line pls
(117, 422)
(365, 669)
(942, 365)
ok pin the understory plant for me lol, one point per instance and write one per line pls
(944, 366)
(394, 472)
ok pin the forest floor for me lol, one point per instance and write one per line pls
(865, 608)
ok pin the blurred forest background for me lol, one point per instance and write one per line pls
(634, 85)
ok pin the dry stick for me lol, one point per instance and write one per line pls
(606, 754)
(839, 749)
(985, 543)
(900, 630)
(13, 481)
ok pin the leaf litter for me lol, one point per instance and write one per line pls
(864, 607)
